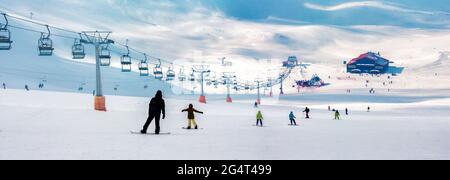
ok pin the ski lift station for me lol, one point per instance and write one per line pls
(368, 63)
(291, 62)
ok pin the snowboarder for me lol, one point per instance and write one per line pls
(259, 118)
(346, 111)
(156, 107)
(191, 116)
(337, 115)
(292, 118)
(307, 112)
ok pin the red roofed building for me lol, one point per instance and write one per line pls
(371, 63)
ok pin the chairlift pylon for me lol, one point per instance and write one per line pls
(78, 49)
(143, 67)
(5, 36)
(45, 44)
(125, 60)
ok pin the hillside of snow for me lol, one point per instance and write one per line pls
(189, 33)
(22, 66)
(409, 111)
(43, 125)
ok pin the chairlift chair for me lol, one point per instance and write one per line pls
(45, 44)
(170, 73)
(207, 80)
(158, 71)
(125, 60)
(192, 76)
(78, 50)
(143, 67)
(105, 56)
(181, 75)
(5, 36)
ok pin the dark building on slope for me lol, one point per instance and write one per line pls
(370, 63)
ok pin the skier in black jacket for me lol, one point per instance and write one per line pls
(307, 110)
(156, 107)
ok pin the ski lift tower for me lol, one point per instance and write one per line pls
(282, 77)
(97, 39)
(227, 77)
(202, 69)
(271, 87)
(258, 86)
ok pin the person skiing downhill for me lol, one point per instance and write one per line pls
(156, 107)
(368, 108)
(259, 118)
(292, 118)
(191, 116)
(4, 86)
(307, 110)
(346, 111)
(337, 115)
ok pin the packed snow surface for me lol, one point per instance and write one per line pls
(56, 125)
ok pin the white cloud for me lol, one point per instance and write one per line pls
(370, 4)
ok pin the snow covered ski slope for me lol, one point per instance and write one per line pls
(42, 125)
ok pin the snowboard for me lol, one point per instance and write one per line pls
(165, 133)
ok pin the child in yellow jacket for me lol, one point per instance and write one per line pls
(259, 118)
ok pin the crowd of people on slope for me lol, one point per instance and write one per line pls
(157, 107)
(26, 87)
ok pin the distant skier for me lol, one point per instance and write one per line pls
(256, 105)
(329, 108)
(346, 111)
(307, 110)
(259, 118)
(4, 86)
(93, 93)
(368, 108)
(156, 107)
(26, 88)
(292, 118)
(337, 115)
(191, 116)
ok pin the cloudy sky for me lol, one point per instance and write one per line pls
(321, 31)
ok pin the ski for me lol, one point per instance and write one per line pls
(165, 133)
(185, 128)
(292, 125)
(259, 126)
